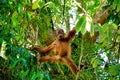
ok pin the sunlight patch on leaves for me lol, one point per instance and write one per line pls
(3, 50)
(35, 4)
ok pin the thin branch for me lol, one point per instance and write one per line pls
(64, 2)
(96, 76)
(79, 5)
(118, 48)
(80, 59)
(64, 7)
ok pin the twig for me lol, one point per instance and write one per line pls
(64, 2)
(95, 74)
(80, 59)
(79, 5)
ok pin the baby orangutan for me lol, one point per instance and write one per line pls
(61, 48)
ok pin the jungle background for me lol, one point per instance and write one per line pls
(28, 23)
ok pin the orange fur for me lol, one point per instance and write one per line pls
(61, 48)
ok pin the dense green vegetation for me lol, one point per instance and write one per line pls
(27, 23)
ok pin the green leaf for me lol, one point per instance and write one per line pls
(113, 69)
(37, 75)
(24, 73)
(41, 3)
(51, 5)
(80, 26)
(102, 36)
(22, 60)
(118, 39)
(83, 28)
(35, 4)
(19, 7)
(1, 40)
(116, 1)
(105, 27)
(84, 24)
(14, 18)
(118, 7)
(29, 16)
(15, 14)
(109, 32)
(114, 5)
(105, 32)
(48, 4)
(14, 64)
(114, 26)
(94, 62)
(108, 54)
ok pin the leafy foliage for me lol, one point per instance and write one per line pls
(26, 23)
